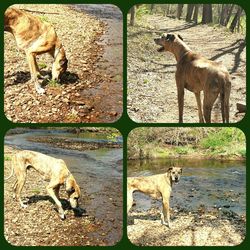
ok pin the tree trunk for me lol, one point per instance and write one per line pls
(207, 14)
(223, 14)
(152, 8)
(190, 9)
(168, 9)
(229, 14)
(196, 12)
(179, 10)
(132, 16)
(236, 19)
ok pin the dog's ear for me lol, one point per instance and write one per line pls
(170, 169)
(180, 37)
(70, 190)
(170, 37)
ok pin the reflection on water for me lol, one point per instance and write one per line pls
(209, 183)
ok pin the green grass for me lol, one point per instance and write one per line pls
(36, 191)
(44, 19)
(183, 150)
(42, 65)
(7, 158)
(53, 83)
(227, 141)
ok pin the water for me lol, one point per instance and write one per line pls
(208, 183)
(98, 173)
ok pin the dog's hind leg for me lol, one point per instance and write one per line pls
(129, 199)
(210, 96)
(18, 186)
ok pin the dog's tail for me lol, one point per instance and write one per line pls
(224, 95)
(12, 168)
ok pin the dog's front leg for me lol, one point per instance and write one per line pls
(165, 215)
(50, 189)
(198, 100)
(31, 58)
(180, 95)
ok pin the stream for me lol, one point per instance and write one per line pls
(111, 62)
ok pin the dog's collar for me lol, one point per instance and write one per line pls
(66, 179)
(184, 55)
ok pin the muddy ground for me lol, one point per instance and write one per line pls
(152, 93)
(198, 228)
(40, 225)
(90, 90)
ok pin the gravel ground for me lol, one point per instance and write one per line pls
(152, 93)
(85, 90)
(188, 229)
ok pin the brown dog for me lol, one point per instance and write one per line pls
(157, 186)
(197, 74)
(53, 170)
(35, 37)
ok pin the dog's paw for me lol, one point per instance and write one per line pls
(62, 216)
(40, 90)
(24, 205)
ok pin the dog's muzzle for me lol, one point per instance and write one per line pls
(73, 202)
(176, 179)
(158, 42)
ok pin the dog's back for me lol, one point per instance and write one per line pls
(27, 28)
(150, 185)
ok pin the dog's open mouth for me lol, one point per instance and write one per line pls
(161, 49)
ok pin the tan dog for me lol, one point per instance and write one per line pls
(197, 74)
(35, 37)
(53, 170)
(157, 186)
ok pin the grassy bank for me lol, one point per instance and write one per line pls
(216, 143)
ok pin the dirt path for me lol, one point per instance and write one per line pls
(188, 229)
(152, 94)
(85, 91)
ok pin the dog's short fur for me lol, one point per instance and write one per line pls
(35, 37)
(197, 74)
(157, 186)
(51, 169)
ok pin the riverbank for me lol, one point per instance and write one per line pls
(198, 228)
(72, 144)
(187, 143)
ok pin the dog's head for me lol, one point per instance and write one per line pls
(166, 41)
(60, 65)
(73, 191)
(175, 173)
